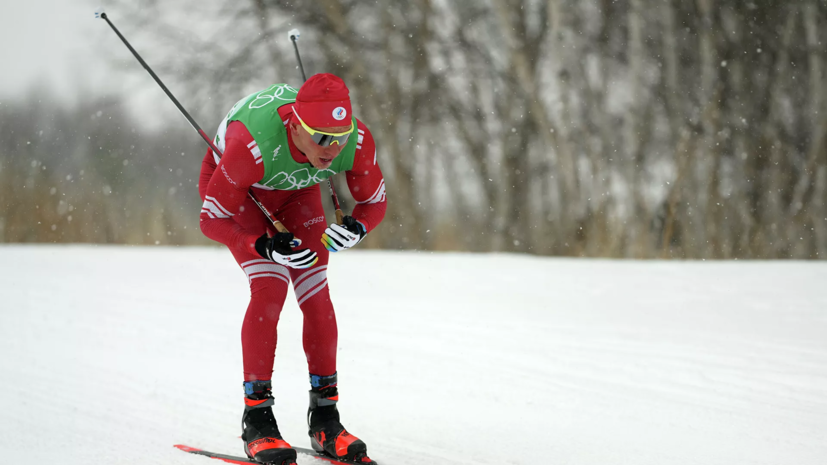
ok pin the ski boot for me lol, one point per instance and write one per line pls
(327, 435)
(259, 431)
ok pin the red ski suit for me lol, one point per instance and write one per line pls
(230, 217)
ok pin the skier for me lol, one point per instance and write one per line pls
(282, 143)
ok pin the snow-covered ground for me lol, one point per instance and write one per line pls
(110, 355)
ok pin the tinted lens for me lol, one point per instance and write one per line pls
(325, 139)
(341, 140)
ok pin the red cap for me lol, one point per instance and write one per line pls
(324, 102)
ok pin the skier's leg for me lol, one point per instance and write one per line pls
(320, 334)
(304, 216)
(259, 334)
(268, 289)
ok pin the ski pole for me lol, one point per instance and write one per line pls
(100, 13)
(294, 37)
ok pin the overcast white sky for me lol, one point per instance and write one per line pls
(60, 44)
(55, 43)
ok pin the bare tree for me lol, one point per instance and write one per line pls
(647, 128)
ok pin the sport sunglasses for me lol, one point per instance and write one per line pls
(325, 139)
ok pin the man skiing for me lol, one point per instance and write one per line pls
(283, 143)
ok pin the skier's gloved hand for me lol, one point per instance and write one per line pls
(279, 248)
(340, 237)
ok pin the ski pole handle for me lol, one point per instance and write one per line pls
(294, 37)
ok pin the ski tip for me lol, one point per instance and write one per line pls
(100, 12)
(186, 448)
(294, 34)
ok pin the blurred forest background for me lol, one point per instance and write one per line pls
(601, 128)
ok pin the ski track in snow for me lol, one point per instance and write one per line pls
(110, 355)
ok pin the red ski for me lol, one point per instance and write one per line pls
(245, 461)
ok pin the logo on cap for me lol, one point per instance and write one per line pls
(339, 113)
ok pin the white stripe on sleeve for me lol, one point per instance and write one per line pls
(253, 146)
(378, 196)
(212, 206)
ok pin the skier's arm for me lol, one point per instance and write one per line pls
(365, 181)
(207, 170)
(227, 189)
(368, 189)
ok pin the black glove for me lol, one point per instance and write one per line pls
(279, 249)
(340, 237)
